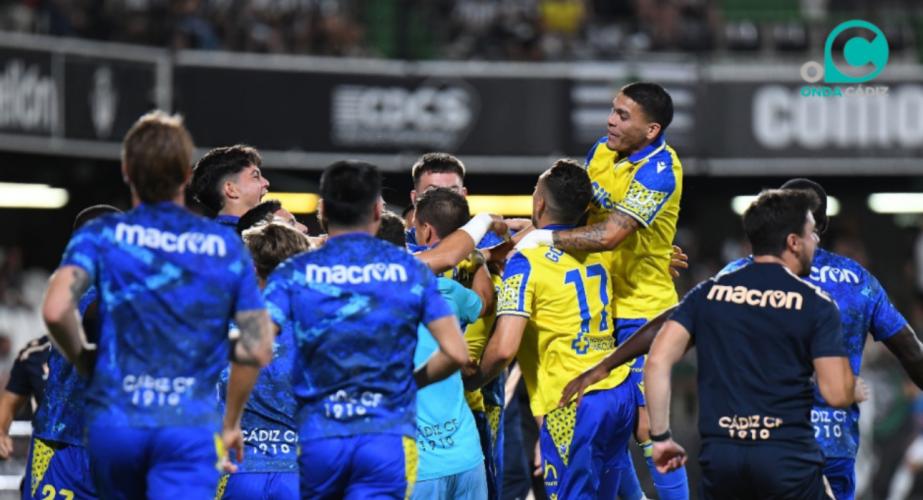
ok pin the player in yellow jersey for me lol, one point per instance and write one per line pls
(555, 315)
(637, 185)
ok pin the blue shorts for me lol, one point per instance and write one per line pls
(362, 466)
(490, 431)
(841, 473)
(625, 328)
(468, 485)
(764, 470)
(583, 447)
(159, 462)
(258, 485)
(57, 470)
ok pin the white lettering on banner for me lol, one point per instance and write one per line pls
(782, 118)
(833, 275)
(147, 390)
(355, 275)
(191, 242)
(777, 299)
(28, 100)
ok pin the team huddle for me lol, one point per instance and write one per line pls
(233, 355)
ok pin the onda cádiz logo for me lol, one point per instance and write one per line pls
(866, 56)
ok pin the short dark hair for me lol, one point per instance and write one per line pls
(92, 212)
(157, 154)
(443, 209)
(349, 190)
(213, 168)
(437, 163)
(392, 229)
(260, 213)
(774, 215)
(820, 213)
(654, 101)
(567, 191)
(271, 244)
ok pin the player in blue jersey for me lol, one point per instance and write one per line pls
(169, 282)
(760, 334)
(58, 463)
(451, 459)
(353, 307)
(227, 182)
(270, 466)
(864, 308)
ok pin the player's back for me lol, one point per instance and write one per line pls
(169, 282)
(567, 298)
(756, 335)
(354, 306)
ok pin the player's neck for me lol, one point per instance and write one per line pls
(179, 199)
(787, 260)
(333, 231)
(233, 209)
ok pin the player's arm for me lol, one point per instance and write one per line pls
(669, 346)
(254, 345)
(59, 310)
(451, 355)
(597, 237)
(483, 286)
(637, 345)
(10, 404)
(500, 351)
(907, 348)
(835, 380)
(456, 247)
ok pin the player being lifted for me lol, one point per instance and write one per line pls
(169, 283)
(554, 314)
(637, 185)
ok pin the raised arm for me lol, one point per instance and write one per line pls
(456, 247)
(59, 310)
(452, 353)
(909, 351)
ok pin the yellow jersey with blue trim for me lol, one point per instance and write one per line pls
(647, 186)
(566, 298)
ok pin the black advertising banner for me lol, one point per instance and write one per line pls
(781, 120)
(104, 97)
(29, 100)
(327, 112)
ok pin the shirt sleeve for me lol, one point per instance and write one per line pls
(82, 248)
(827, 337)
(433, 305)
(276, 295)
(469, 305)
(19, 382)
(886, 320)
(733, 266)
(517, 291)
(249, 297)
(649, 189)
(686, 312)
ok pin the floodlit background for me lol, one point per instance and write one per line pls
(508, 86)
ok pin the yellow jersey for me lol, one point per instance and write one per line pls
(476, 335)
(567, 300)
(647, 186)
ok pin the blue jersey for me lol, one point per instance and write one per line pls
(354, 306)
(268, 425)
(60, 416)
(757, 331)
(864, 308)
(447, 436)
(227, 220)
(169, 282)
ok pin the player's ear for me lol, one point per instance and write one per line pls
(229, 190)
(653, 130)
(379, 208)
(125, 178)
(413, 197)
(321, 219)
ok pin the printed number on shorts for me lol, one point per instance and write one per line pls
(49, 493)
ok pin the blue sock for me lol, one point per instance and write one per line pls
(629, 486)
(670, 486)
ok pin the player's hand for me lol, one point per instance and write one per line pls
(518, 224)
(678, 261)
(577, 386)
(6, 446)
(536, 238)
(498, 226)
(470, 368)
(233, 440)
(862, 392)
(668, 456)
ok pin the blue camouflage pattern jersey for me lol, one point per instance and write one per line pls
(864, 308)
(268, 424)
(169, 282)
(60, 416)
(354, 306)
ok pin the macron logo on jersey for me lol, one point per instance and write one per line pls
(777, 299)
(355, 275)
(833, 275)
(196, 243)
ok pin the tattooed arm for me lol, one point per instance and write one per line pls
(59, 310)
(254, 345)
(597, 237)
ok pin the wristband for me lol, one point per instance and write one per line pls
(658, 438)
(536, 238)
(477, 227)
